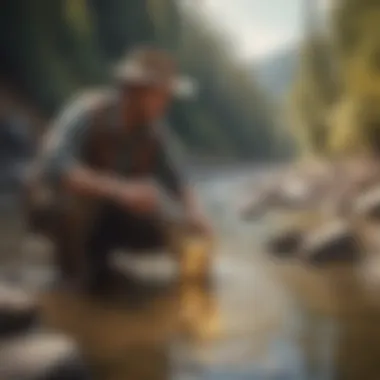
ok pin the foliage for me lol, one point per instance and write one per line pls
(313, 93)
(346, 114)
(54, 48)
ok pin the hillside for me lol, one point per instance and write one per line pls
(277, 72)
(51, 50)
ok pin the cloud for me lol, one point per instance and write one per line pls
(264, 44)
(256, 43)
(257, 27)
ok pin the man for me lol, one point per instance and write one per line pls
(102, 155)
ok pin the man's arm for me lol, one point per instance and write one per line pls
(63, 166)
(171, 166)
(172, 170)
(61, 148)
(62, 151)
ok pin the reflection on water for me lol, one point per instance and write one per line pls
(240, 329)
(120, 341)
(261, 320)
(247, 327)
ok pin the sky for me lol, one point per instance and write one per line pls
(259, 28)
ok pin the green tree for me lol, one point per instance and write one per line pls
(52, 49)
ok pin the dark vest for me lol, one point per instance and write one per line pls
(65, 218)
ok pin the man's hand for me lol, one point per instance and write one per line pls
(139, 196)
(196, 219)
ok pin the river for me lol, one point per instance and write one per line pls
(261, 319)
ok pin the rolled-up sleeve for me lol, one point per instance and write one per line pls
(63, 145)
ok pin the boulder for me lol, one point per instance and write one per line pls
(18, 310)
(41, 356)
(294, 192)
(285, 244)
(288, 230)
(335, 242)
(367, 205)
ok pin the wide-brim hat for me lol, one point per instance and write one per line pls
(154, 67)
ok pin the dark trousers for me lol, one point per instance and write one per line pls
(118, 229)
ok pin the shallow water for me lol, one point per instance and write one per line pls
(261, 320)
(241, 329)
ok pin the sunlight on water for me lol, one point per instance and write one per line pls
(261, 320)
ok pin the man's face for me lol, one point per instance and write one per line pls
(151, 103)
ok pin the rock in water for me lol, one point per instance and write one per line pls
(367, 205)
(334, 243)
(18, 310)
(41, 357)
(285, 244)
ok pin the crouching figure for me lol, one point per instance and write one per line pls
(107, 172)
